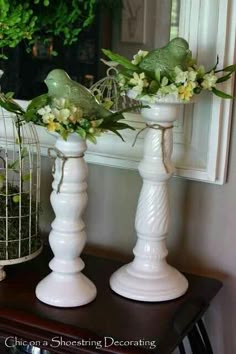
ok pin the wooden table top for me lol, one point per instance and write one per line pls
(109, 315)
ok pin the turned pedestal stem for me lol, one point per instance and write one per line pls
(66, 286)
(149, 277)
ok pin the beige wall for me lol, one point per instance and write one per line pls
(202, 238)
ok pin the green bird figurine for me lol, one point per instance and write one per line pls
(162, 61)
(60, 85)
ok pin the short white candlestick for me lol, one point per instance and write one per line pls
(66, 286)
(149, 277)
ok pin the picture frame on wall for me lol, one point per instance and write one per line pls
(133, 21)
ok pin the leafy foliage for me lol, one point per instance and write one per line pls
(31, 20)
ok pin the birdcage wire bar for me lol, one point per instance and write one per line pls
(20, 189)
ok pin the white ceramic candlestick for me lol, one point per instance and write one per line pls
(66, 286)
(149, 277)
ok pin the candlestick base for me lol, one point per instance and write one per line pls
(66, 290)
(163, 284)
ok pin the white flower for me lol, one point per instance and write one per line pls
(59, 102)
(44, 110)
(73, 109)
(181, 76)
(139, 81)
(137, 58)
(164, 81)
(62, 115)
(48, 117)
(209, 81)
(167, 90)
(192, 75)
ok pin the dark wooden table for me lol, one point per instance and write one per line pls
(164, 324)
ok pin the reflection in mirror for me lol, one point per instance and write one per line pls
(144, 25)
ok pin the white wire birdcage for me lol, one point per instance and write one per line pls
(19, 191)
(107, 91)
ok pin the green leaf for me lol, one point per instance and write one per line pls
(9, 94)
(81, 132)
(38, 102)
(215, 66)
(64, 133)
(3, 56)
(121, 126)
(117, 133)
(119, 115)
(13, 165)
(91, 138)
(98, 122)
(221, 93)
(158, 75)
(120, 60)
(10, 105)
(16, 199)
(230, 68)
(224, 78)
(24, 153)
(27, 177)
(153, 87)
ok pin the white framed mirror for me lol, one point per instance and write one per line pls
(201, 136)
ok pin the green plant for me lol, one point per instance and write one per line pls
(33, 20)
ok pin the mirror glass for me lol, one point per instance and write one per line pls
(145, 24)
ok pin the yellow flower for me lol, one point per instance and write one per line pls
(186, 91)
(52, 126)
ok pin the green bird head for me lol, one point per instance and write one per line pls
(179, 47)
(56, 77)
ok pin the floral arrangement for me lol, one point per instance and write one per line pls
(170, 70)
(62, 116)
